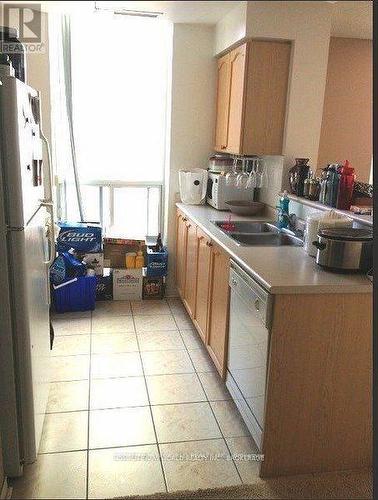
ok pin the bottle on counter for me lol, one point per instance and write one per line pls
(298, 174)
(323, 186)
(346, 186)
(332, 185)
(306, 185)
(314, 189)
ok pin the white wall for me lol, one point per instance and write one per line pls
(231, 28)
(307, 25)
(192, 117)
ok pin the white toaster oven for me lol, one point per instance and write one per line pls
(218, 192)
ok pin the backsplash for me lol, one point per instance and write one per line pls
(274, 167)
(269, 194)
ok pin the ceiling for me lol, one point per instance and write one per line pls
(176, 11)
(350, 18)
(182, 12)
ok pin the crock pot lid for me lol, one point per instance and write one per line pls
(346, 234)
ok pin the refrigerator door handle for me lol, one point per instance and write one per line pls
(48, 200)
(51, 244)
(50, 232)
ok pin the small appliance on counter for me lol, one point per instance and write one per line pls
(193, 185)
(345, 249)
(218, 192)
(219, 163)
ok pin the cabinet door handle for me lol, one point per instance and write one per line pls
(223, 147)
(184, 219)
(257, 305)
(209, 244)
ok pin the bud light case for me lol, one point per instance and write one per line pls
(82, 237)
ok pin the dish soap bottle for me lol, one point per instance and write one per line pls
(283, 211)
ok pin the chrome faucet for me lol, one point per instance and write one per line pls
(290, 219)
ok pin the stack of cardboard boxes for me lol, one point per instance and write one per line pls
(117, 279)
(127, 284)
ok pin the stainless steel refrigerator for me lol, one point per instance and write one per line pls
(26, 251)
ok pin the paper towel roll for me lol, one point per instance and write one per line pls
(321, 220)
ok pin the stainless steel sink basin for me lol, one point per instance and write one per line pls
(267, 239)
(259, 234)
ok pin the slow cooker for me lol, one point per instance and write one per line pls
(345, 249)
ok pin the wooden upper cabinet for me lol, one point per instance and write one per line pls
(181, 241)
(258, 73)
(223, 99)
(203, 283)
(217, 336)
(265, 97)
(191, 268)
(237, 78)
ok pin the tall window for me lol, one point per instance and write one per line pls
(119, 87)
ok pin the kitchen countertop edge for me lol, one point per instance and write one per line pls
(357, 283)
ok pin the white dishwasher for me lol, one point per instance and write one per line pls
(250, 316)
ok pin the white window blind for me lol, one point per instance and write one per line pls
(119, 74)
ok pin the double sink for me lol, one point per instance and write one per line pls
(258, 233)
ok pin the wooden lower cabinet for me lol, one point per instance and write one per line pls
(204, 246)
(202, 270)
(318, 396)
(318, 402)
(217, 336)
(191, 268)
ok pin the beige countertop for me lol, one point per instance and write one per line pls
(280, 270)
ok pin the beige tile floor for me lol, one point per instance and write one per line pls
(135, 407)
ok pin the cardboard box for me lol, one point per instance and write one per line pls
(82, 237)
(115, 250)
(153, 288)
(104, 286)
(127, 284)
(96, 261)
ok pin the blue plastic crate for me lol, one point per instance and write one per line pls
(157, 263)
(76, 295)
